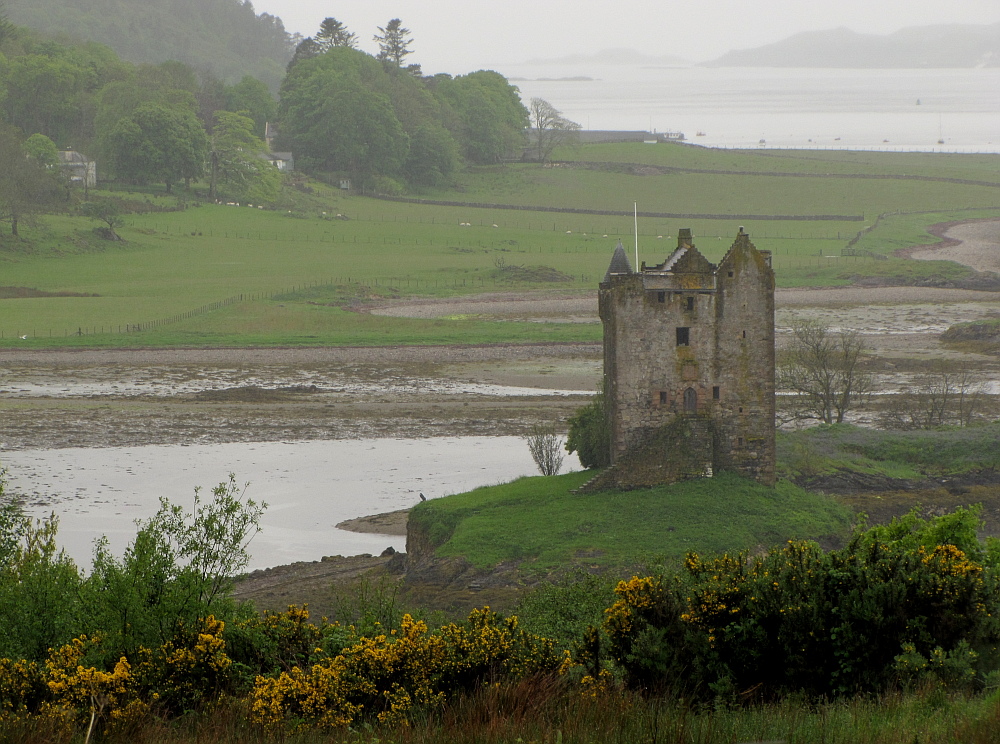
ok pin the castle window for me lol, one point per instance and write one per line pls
(730, 275)
(690, 401)
(663, 397)
(744, 334)
(661, 296)
(715, 392)
(690, 304)
(739, 441)
(683, 336)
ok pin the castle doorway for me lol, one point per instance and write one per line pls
(690, 401)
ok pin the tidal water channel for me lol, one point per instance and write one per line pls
(98, 438)
(309, 487)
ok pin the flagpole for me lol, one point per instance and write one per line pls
(635, 206)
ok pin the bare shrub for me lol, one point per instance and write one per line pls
(945, 396)
(546, 449)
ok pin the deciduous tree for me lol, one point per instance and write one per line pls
(158, 143)
(550, 128)
(236, 167)
(26, 185)
(108, 211)
(824, 371)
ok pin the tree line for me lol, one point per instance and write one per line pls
(342, 112)
(228, 38)
(380, 120)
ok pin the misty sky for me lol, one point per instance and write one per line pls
(460, 36)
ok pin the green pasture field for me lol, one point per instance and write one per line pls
(540, 521)
(228, 275)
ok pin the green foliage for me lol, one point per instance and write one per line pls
(251, 97)
(158, 143)
(433, 155)
(108, 211)
(237, 170)
(841, 622)
(565, 609)
(26, 185)
(342, 111)
(490, 116)
(38, 585)
(590, 434)
(42, 150)
(227, 38)
(337, 117)
(178, 569)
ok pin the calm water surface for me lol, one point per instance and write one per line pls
(821, 108)
(309, 486)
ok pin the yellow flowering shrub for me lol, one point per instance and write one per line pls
(387, 675)
(22, 687)
(890, 607)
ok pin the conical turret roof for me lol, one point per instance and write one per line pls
(619, 263)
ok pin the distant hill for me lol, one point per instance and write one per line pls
(618, 56)
(225, 37)
(924, 46)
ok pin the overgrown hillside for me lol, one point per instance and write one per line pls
(227, 38)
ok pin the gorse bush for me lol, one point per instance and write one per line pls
(389, 675)
(912, 595)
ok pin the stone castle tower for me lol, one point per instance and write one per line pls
(689, 366)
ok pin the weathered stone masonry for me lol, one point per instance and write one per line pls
(689, 365)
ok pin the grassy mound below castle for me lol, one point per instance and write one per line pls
(542, 524)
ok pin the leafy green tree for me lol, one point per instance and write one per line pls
(178, 569)
(27, 187)
(337, 115)
(433, 155)
(236, 167)
(590, 434)
(252, 98)
(158, 143)
(43, 94)
(393, 43)
(489, 119)
(42, 150)
(108, 211)
(333, 33)
(39, 584)
(306, 49)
